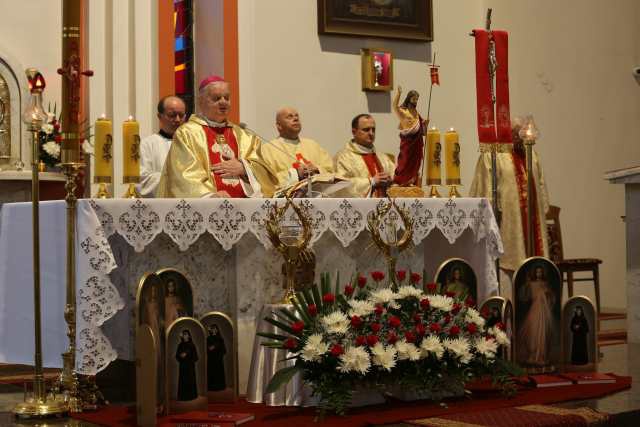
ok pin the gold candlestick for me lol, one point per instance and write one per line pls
(529, 133)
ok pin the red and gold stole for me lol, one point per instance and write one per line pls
(218, 136)
(374, 166)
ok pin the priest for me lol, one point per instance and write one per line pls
(293, 158)
(370, 173)
(211, 157)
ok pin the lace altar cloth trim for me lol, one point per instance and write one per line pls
(139, 221)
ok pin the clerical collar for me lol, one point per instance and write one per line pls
(165, 135)
(361, 149)
(213, 123)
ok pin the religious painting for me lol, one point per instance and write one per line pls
(147, 404)
(150, 312)
(186, 361)
(537, 291)
(178, 295)
(456, 278)
(507, 315)
(579, 335)
(498, 312)
(396, 19)
(222, 357)
(377, 70)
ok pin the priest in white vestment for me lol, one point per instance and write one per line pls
(369, 172)
(290, 157)
(154, 148)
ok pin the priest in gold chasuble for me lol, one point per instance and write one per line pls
(293, 158)
(370, 173)
(211, 157)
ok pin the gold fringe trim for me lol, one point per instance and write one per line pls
(441, 422)
(498, 147)
(588, 414)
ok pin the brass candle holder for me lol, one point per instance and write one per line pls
(529, 133)
(290, 241)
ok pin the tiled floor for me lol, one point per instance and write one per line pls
(622, 360)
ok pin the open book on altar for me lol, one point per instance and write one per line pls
(322, 185)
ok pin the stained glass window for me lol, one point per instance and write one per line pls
(183, 50)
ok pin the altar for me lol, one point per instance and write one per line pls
(220, 245)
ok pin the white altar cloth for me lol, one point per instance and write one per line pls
(213, 242)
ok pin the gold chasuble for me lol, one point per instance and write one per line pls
(358, 164)
(187, 170)
(283, 156)
(512, 202)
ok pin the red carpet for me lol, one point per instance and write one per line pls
(392, 412)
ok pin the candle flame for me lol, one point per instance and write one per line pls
(103, 116)
(130, 119)
(451, 129)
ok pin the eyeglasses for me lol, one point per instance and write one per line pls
(174, 115)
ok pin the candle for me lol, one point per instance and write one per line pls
(103, 149)
(452, 156)
(131, 151)
(434, 154)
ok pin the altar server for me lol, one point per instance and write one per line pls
(154, 148)
(369, 172)
(293, 158)
(212, 157)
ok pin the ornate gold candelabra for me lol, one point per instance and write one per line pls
(392, 247)
(289, 244)
(39, 406)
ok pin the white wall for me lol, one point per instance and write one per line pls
(570, 65)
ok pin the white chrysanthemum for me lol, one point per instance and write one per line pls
(355, 359)
(335, 323)
(486, 347)
(314, 348)
(87, 147)
(52, 148)
(47, 128)
(441, 302)
(382, 296)
(473, 316)
(432, 344)
(384, 357)
(501, 337)
(50, 117)
(409, 291)
(459, 347)
(407, 350)
(361, 308)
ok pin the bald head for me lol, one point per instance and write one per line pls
(171, 113)
(288, 123)
(215, 101)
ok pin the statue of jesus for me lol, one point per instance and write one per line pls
(412, 129)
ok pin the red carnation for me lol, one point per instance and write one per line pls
(420, 329)
(401, 275)
(58, 139)
(336, 350)
(362, 281)
(500, 326)
(356, 321)
(469, 302)
(410, 336)
(312, 309)
(472, 328)
(328, 298)
(379, 310)
(377, 275)
(435, 327)
(290, 343)
(484, 312)
(392, 338)
(56, 126)
(297, 327)
(415, 278)
(372, 340)
(450, 294)
(417, 318)
(375, 327)
(455, 330)
(361, 340)
(447, 319)
(348, 290)
(432, 287)
(456, 308)
(394, 321)
(424, 303)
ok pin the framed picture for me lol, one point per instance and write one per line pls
(456, 277)
(222, 357)
(498, 311)
(377, 70)
(178, 295)
(537, 291)
(507, 315)
(146, 376)
(579, 335)
(186, 361)
(395, 19)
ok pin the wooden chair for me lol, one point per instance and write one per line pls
(568, 267)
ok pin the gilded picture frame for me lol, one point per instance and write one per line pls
(377, 69)
(456, 275)
(410, 20)
(229, 362)
(579, 335)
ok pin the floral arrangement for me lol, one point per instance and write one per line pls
(368, 336)
(50, 139)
